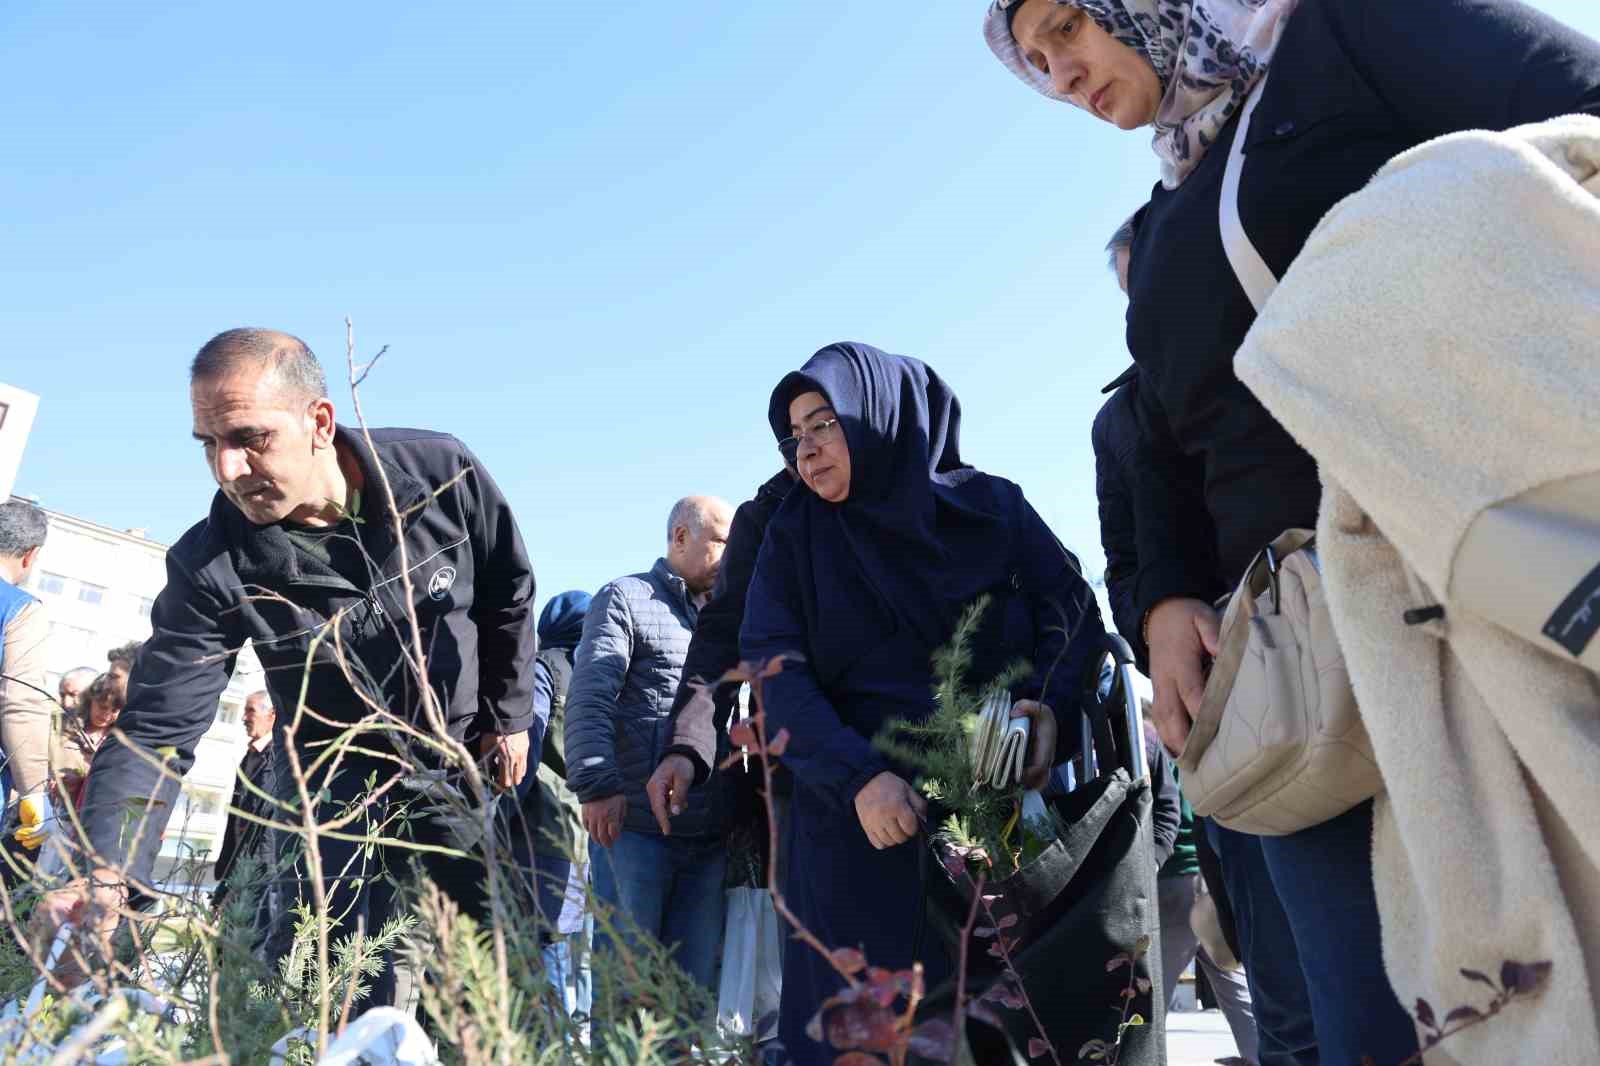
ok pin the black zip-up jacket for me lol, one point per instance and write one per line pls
(701, 709)
(1353, 83)
(1116, 446)
(229, 580)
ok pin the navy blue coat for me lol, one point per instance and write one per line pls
(861, 666)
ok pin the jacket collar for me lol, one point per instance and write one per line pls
(663, 575)
(1127, 377)
(264, 555)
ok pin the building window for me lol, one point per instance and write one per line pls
(228, 713)
(91, 593)
(146, 605)
(51, 583)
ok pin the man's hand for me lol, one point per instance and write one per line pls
(603, 819)
(508, 757)
(95, 912)
(1041, 742)
(668, 789)
(890, 810)
(1181, 634)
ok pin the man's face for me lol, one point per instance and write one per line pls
(261, 441)
(69, 690)
(119, 674)
(697, 553)
(1124, 258)
(258, 717)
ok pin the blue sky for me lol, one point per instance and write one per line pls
(593, 236)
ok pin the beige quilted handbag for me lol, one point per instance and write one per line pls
(1278, 745)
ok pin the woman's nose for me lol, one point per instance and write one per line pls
(1066, 74)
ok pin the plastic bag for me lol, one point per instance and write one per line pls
(383, 1036)
(752, 969)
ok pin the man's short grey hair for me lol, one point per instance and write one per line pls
(293, 363)
(690, 512)
(1123, 238)
(83, 675)
(264, 694)
(22, 528)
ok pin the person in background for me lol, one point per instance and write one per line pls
(71, 686)
(1115, 439)
(243, 837)
(703, 706)
(25, 713)
(300, 533)
(624, 678)
(83, 734)
(548, 837)
(122, 659)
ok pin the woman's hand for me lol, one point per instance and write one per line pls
(890, 810)
(1041, 743)
(1181, 634)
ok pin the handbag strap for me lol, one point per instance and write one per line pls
(1255, 277)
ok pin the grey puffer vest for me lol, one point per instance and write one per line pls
(618, 714)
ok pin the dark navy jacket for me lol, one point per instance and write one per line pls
(1353, 83)
(229, 581)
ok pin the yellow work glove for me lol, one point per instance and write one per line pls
(35, 820)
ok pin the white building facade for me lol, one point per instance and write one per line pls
(99, 585)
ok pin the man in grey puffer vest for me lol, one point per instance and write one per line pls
(618, 725)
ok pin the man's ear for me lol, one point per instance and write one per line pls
(322, 424)
(30, 557)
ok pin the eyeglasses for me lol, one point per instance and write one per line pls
(820, 433)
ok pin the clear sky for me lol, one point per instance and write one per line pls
(594, 237)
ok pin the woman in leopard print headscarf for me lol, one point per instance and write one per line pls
(1205, 58)
(1267, 113)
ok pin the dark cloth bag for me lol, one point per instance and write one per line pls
(1086, 900)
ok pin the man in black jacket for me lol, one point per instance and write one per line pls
(300, 555)
(702, 707)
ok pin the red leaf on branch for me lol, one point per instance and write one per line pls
(1117, 962)
(777, 744)
(862, 1025)
(741, 735)
(1008, 921)
(857, 1058)
(1038, 1048)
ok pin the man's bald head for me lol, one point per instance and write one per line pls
(697, 531)
(294, 368)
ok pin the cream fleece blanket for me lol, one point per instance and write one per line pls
(1436, 348)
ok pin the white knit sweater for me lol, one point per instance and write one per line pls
(1436, 348)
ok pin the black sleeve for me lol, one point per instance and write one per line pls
(1067, 626)
(1449, 65)
(701, 709)
(1116, 425)
(177, 680)
(502, 609)
(1174, 537)
(1166, 803)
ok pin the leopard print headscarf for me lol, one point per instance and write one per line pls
(1208, 54)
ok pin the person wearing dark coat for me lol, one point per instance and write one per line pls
(1344, 86)
(242, 836)
(299, 540)
(863, 575)
(701, 709)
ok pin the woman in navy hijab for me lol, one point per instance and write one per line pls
(862, 578)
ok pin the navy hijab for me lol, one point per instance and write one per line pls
(561, 621)
(926, 533)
